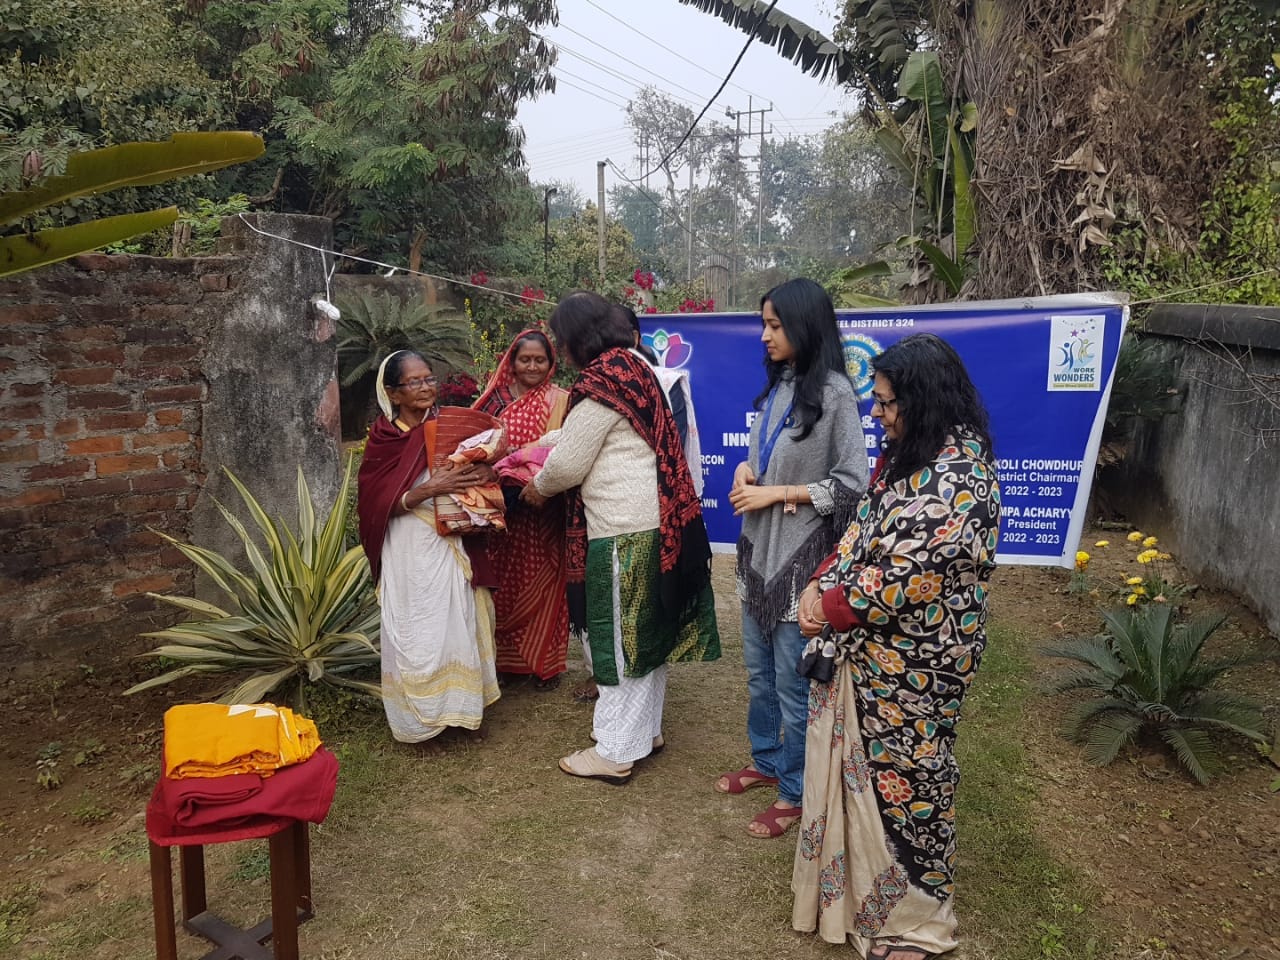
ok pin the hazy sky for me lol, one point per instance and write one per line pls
(585, 121)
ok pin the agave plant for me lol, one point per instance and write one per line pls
(304, 612)
(1152, 681)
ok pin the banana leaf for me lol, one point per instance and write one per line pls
(922, 81)
(27, 251)
(794, 39)
(964, 216)
(133, 165)
(952, 273)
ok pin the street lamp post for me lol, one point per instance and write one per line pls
(546, 232)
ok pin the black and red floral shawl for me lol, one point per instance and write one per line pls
(623, 382)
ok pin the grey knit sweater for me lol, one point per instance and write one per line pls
(777, 551)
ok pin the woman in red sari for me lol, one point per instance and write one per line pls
(532, 613)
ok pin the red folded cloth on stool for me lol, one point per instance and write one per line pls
(241, 806)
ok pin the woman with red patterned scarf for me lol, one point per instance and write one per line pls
(636, 539)
(532, 613)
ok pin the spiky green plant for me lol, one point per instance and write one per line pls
(305, 611)
(1151, 680)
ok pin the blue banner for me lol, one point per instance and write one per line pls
(1043, 367)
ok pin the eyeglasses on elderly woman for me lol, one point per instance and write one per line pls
(416, 383)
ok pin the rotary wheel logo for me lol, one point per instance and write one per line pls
(859, 349)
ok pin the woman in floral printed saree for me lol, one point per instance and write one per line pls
(896, 619)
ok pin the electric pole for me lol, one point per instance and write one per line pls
(600, 217)
(736, 115)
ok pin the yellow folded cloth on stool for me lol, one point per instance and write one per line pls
(218, 739)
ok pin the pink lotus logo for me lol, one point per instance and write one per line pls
(671, 349)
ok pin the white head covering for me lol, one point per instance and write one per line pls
(384, 399)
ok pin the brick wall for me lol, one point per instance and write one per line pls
(100, 421)
(126, 383)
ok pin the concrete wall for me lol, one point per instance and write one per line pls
(1207, 478)
(125, 384)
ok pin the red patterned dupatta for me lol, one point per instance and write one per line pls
(623, 382)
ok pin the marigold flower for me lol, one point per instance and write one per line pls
(1103, 543)
(1140, 591)
(1135, 536)
(1149, 542)
(1164, 556)
(1131, 599)
(1146, 556)
(1133, 581)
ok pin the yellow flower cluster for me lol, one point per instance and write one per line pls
(1146, 556)
(1149, 542)
(1103, 543)
(1082, 561)
(1134, 537)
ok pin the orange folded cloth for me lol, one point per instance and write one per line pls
(218, 739)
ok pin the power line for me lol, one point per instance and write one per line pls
(591, 93)
(603, 89)
(681, 56)
(586, 146)
(630, 61)
(617, 74)
(745, 47)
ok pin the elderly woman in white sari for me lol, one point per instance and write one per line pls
(437, 630)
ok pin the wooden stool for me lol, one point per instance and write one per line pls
(290, 850)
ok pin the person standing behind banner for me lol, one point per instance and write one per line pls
(897, 619)
(679, 393)
(532, 613)
(437, 631)
(636, 538)
(806, 468)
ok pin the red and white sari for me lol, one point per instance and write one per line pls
(532, 612)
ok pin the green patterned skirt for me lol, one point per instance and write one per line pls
(623, 599)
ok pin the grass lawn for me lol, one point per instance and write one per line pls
(490, 852)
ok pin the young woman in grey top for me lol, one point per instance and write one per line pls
(806, 469)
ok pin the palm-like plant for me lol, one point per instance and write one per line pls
(376, 323)
(1152, 680)
(305, 610)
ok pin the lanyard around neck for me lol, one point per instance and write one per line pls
(768, 443)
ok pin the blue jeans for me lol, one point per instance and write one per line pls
(779, 703)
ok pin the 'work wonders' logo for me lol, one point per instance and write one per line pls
(1075, 353)
(671, 348)
(859, 351)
